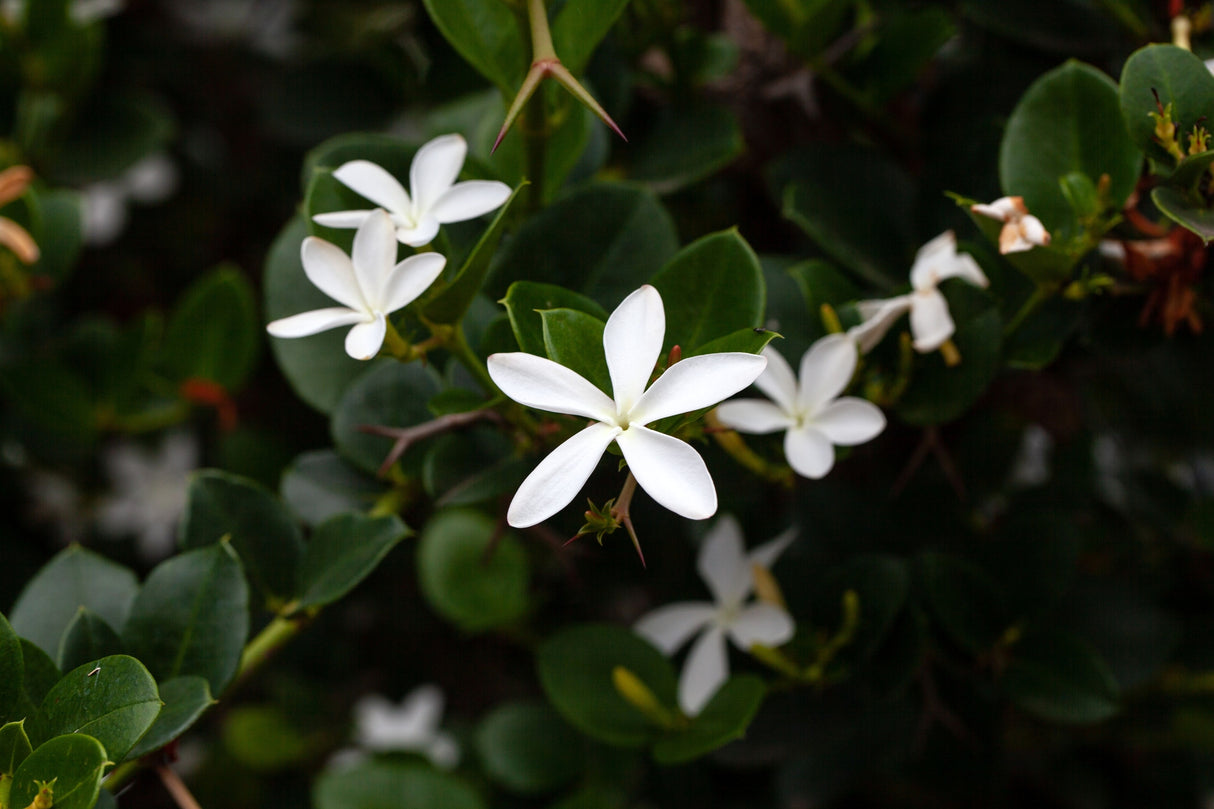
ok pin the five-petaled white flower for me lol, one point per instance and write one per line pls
(809, 410)
(433, 199)
(366, 281)
(668, 469)
(931, 324)
(729, 573)
(1021, 230)
(414, 725)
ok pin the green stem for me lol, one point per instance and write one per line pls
(457, 344)
(1040, 295)
(268, 641)
(541, 35)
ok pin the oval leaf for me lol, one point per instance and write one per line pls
(12, 671)
(529, 749)
(213, 333)
(185, 699)
(342, 552)
(74, 762)
(526, 299)
(384, 785)
(1177, 77)
(723, 719)
(88, 637)
(390, 394)
(575, 339)
(1058, 677)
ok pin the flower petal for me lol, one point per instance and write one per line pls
(469, 200)
(1003, 209)
(723, 565)
(778, 380)
(317, 320)
(421, 710)
(756, 416)
(409, 279)
(932, 259)
(417, 235)
(878, 316)
(767, 553)
(434, 169)
(373, 182)
(1034, 231)
(560, 476)
(332, 272)
(342, 219)
(809, 452)
(761, 623)
(670, 471)
(931, 323)
(365, 339)
(696, 382)
(632, 341)
(964, 266)
(670, 626)
(850, 421)
(545, 385)
(826, 369)
(706, 669)
(373, 255)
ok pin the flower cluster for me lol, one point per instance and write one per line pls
(1021, 230)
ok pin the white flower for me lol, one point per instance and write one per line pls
(414, 725)
(153, 179)
(149, 492)
(1021, 230)
(729, 573)
(931, 324)
(365, 281)
(433, 199)
(809, 410)
(668, 469)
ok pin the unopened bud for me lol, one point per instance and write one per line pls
(766, 587)
(45, 798)
(676, 354)
(638, 695)
(952, 357)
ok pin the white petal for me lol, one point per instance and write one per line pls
(318, 320)
(767, 553)
(373, 255)
(878, 316)
(421, 710)
(1003, 209)
(723, 565)
(545, 385)
(670, 471)
(632, 341)
(409, 279)
(559, 477)
(670, 626)
(1034, 231)
(778, 381)
(809, 452)
(469, 200)
(761, 623)
(964, 267)
(365, 339)
(850, 421)
(374, 183)
(342, 219)
(696, 382)
(931, 259)
(417, 235)
(434, 169)
(931, 324)
(332, 272)
(443, 751)
(753, 416)
(706, 669)
(826, 368)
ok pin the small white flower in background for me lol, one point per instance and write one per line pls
(148, 491)
(434, 197)
(931, 324)
(1021, 230)
(667, 468)
(266, 26)
(413, 725)
(810, 411)
(153, 179)
(56, 502)
(729, 573)
(369, 281)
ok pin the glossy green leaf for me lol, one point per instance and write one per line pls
(526, 299)
(54, 399)
(185, 700)
(393, 785)
(575, 667)
(12, 670)
(213, 333)
(964, 600)
(529, 749)
(390, 152)
(686, 144)
(1040, 339)
(41, 674)
(471, 573)
(575, 339)
(713, 287)
(14, 747)
(74, 578)
(87, 637)
(820, 282)
(747, 341)
(1186, 209)
(1180, 79)
(113, 699)
(1075, 110)
(390, 394)
(320, 484)
(1058, 677)
(905, 42)
(192, 616)
(578, 27)
(488, 35)
(222, 505)
(806, 26)
(474, 467)
(723, 719)
(342, 552)
(74, 762)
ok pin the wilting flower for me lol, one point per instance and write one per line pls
(668, 469)
(433, 199)
(413, 725)
(810, 411)
(729, 573)
(149, 491)
(14, 181)
(1021, 230)
(931, 324)
(366, 281)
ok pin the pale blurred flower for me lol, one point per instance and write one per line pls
(413, 725)
(1021, 230)
(266, 26)
(148, 491)
(151, 180)
(56, 501)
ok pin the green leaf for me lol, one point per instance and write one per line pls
(488, 35)
(746, 341)
(713, 287)
(575, 667)
(1058, 677)
(320, 484)
(12, 670)
(1069, 120)
(881, 583)
(722, 720)
(40, 677)
(342, 552)
(473, 467)
(964, 600)
(58, 227)
(390, 394)
(114, 133)
(579, 26)
(526, 299)
(1186, 209)
(1180, 79)
(393, 785)
(806, 26)
(14, 747)
(1039, 340)
(686, 143)
(74, 578)
(54, 399)
(575, 339)
(213, 333)
(185, 700)
(264, 739)
(821, 283)
(113, 699)
(87, 637)
(222, 505)
(390, 152)
(74, 762)
(192, 616)
(471, 573)
(528, 748)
